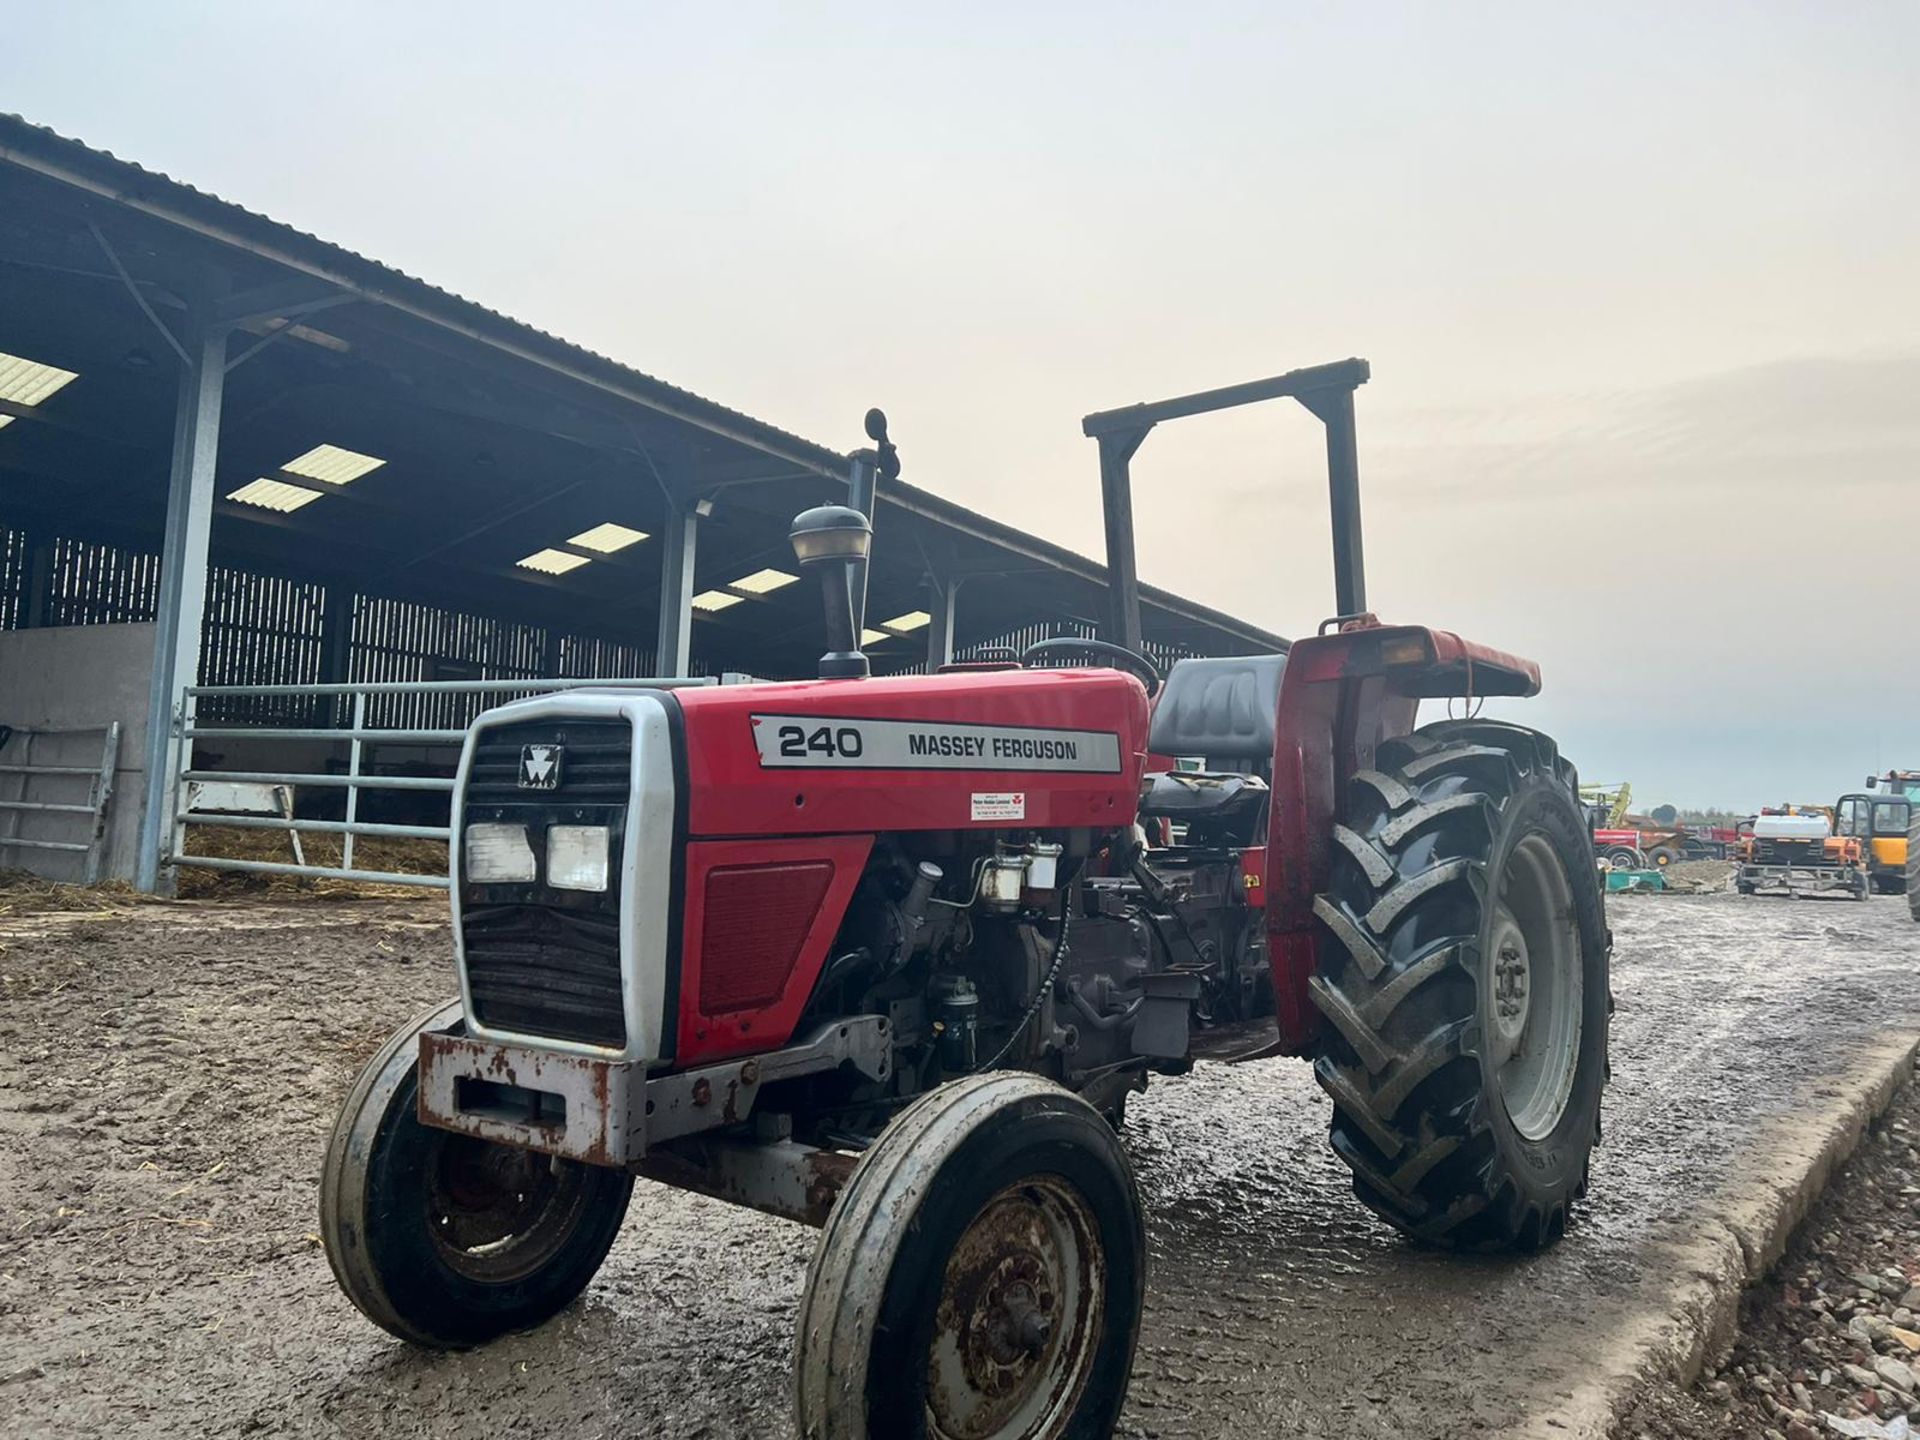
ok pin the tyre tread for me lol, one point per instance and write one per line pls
(1401, 1063)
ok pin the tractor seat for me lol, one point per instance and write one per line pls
(1184, 796)
(1222, 710)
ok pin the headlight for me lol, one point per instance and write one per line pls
(577, 857)
(498, 854)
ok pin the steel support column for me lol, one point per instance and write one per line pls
(944, 591)
(863, 475)
(673, 651)
(183, 587)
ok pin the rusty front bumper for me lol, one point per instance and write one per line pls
(610, 1112)
(560, 1104)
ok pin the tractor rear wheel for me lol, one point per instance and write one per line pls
(445, 1240)
(1913, 865)
(980, 1275)
(1624, 859)
(1464, 979)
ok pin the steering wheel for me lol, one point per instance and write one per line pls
(1132, 661)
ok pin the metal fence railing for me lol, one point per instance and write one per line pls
(66, 793)
(395, 743)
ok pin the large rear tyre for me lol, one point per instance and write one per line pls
(980, 1276)
(445, 1240)
(1465, 985)
(1913, 865)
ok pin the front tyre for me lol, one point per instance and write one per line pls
(1464, 978)
(445, 1240)
(980, 1276)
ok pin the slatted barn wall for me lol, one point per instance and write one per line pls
(13, 579)
(266, 630)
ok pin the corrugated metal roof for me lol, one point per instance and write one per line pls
(37, 148)
(43, 151)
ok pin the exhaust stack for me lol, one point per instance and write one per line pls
(834, 540)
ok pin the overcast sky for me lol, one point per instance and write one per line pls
(1640, 285)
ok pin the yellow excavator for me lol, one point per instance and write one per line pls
(1609, 803)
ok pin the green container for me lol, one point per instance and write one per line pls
(1636, 880)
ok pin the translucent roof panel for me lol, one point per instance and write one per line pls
(274, 495)
(762, 582)
(608, 538)
(28, 382)
(912, 620)
(551, 562)
(871, 636)
(712, 600)
(332, 464)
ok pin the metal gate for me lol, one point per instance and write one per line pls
(429, 718)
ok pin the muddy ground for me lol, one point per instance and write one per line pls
(167, 1075)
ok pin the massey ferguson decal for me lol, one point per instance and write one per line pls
(814, 742)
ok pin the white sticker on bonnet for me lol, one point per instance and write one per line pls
(1000, 805)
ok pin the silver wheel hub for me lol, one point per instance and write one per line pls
(1533, 989)
(1019, 1315)
(1509, 986)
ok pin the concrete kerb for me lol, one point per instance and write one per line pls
(1747, 1230)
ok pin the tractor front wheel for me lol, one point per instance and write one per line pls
(980, 1275)
(445, 1240)
(1464, 979)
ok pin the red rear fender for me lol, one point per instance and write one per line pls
(1340, 696)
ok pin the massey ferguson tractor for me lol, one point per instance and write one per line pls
(889, 955)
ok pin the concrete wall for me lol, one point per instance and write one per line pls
(70, 678)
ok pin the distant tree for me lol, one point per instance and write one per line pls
(1711, 817)
(1665, 814)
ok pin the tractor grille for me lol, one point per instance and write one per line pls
(537, 970)
(595, 768)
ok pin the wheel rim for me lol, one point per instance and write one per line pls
(1534, 989)
(1022, 1303)
(496, 1213)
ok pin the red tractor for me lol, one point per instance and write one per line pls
(889, 956)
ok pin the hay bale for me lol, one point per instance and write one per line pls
(232, 842)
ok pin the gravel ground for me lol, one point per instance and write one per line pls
(168, 1074)
(1828, 1343)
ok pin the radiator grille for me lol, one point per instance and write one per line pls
(595, 768)
(538, 970)
(1804, 853)
(757, 920)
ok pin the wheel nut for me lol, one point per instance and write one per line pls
(1033, 1330)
